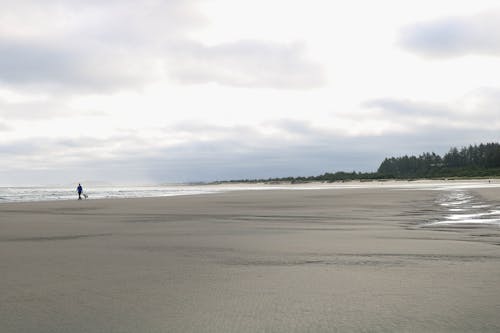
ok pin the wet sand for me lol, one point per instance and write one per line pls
(336, 260)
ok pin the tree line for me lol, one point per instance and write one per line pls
(481, 160)
(472, 161)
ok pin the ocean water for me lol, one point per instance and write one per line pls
(29, 194)
(458, 202)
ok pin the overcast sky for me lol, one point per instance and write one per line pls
(197, 90)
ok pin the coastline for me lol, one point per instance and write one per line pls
(340, 259)
(49, 194)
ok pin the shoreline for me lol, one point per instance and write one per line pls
(188, 190)
(351, 259)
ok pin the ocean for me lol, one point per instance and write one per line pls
(40, 193)
(456, 203)
(30, 194)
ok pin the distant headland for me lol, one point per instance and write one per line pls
(474, 161)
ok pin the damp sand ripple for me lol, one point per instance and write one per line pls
(463, 207)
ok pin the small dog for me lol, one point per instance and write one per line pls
(85, 195)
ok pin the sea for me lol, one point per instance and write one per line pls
(457, 202)
(52, 193)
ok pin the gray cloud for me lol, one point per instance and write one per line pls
(115, 45)
(245, 63)
(297, 127)
(454, 36)
(63, 67)
(274, 149)
(478, 109)
(19, 148)
(22, 62)
(88, 46)
(237, 153)
(231, 158)
(407, 108)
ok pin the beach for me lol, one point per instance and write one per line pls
(370, 259)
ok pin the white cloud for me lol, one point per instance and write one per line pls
(212, 89)
(112, 20)
(246, 63)
(108, 46)
(89, 46)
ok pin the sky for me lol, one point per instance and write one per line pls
(149, 92)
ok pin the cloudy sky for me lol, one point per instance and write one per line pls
(196, 90)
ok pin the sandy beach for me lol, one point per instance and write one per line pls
(333, 260)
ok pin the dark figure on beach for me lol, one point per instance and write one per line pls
(79, 189)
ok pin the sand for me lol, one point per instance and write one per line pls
(336, 260)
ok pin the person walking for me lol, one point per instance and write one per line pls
(79, 189)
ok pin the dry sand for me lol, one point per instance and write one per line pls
(342, 260)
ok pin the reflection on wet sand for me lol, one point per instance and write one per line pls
(462, 206)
